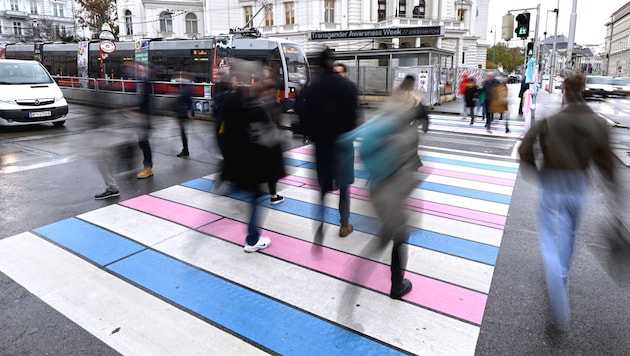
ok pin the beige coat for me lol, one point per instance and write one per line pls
(499, 101)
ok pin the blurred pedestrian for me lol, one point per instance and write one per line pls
(570, 141)
(521, 91)
(103, 150)
(341, 69)
(145, 106)
(251, 155)
(184, 110)
(389, 194)
(470, 96)
(499, 103)
(329, 108)
(486, 89)
(461, 90)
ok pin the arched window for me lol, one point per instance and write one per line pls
(128, 22)
(191, 23)
(419, 10)
(166, 22)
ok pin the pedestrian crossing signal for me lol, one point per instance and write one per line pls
(530, 49)
(522, 25)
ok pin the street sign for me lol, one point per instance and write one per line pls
(107, 46)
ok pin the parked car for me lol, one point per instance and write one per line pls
(599, 86)
(515, 78)
(29, 95)
(621, 86)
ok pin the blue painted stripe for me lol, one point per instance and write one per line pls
(431, 240)
(466, 192)
(94, 243)
(273, 325)
(270, 323)
(436, 187)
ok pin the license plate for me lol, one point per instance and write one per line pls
(39, 114)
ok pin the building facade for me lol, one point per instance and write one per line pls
(465, 22)
(617, 58)
(36, 20)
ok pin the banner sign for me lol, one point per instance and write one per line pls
(426, 31)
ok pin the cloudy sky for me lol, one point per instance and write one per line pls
(592, 16)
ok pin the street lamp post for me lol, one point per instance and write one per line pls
(493, 29)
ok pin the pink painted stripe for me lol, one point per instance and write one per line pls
(423, 206)
(181, 214)
(440, 172)
(440, 296)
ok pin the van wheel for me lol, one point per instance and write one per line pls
(59, 123)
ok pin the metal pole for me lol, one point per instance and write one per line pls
(571, 35)
(553, 52)
(494, 45)
(535, 55)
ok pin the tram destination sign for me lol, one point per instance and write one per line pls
(425, 31)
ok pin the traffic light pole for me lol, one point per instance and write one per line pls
(534, 55)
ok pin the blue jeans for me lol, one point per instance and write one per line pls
(561, 199)
(253, 234)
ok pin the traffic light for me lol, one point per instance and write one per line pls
(530, 49)
(522, 25)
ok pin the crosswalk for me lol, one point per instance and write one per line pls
(165, 273)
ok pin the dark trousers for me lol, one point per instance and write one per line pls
(182, 131)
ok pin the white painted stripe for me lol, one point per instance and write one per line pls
(455, 270)
(320, 294)
(102, 303)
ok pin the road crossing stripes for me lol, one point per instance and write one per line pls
(165, 273)
(457, 124)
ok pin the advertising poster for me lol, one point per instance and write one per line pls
(142, 51)
(82, 62)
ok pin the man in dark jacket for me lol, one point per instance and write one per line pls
(487, 87)
(328, 109)
(570, 141)
(184, 111)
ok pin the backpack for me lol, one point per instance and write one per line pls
(377, 150)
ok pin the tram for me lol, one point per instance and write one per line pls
(204, 59)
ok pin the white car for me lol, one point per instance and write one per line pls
(29, 95)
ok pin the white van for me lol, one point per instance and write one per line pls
(29, 95)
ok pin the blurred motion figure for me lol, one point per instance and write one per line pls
(570, 141)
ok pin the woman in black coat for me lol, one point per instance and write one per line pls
(248, 163)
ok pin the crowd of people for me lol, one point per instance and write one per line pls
(490, 97)
(252, 151)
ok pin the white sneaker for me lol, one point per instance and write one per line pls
(263, 242)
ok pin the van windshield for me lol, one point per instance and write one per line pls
(14, 73)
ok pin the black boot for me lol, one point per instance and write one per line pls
(397, 292)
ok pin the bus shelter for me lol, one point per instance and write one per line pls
(377, 72)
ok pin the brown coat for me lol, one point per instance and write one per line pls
(499, 101)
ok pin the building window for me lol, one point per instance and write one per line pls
(58, 9)
(269, 15)
(249, 14)
(128, 22)
(17, 28)
(402, 8)
(14, 5)
(289, 13)
(191, 23)
(382, 5)
(418, 11)
(60, 31)
(166, 22)
(34, 8)
(329, 11)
